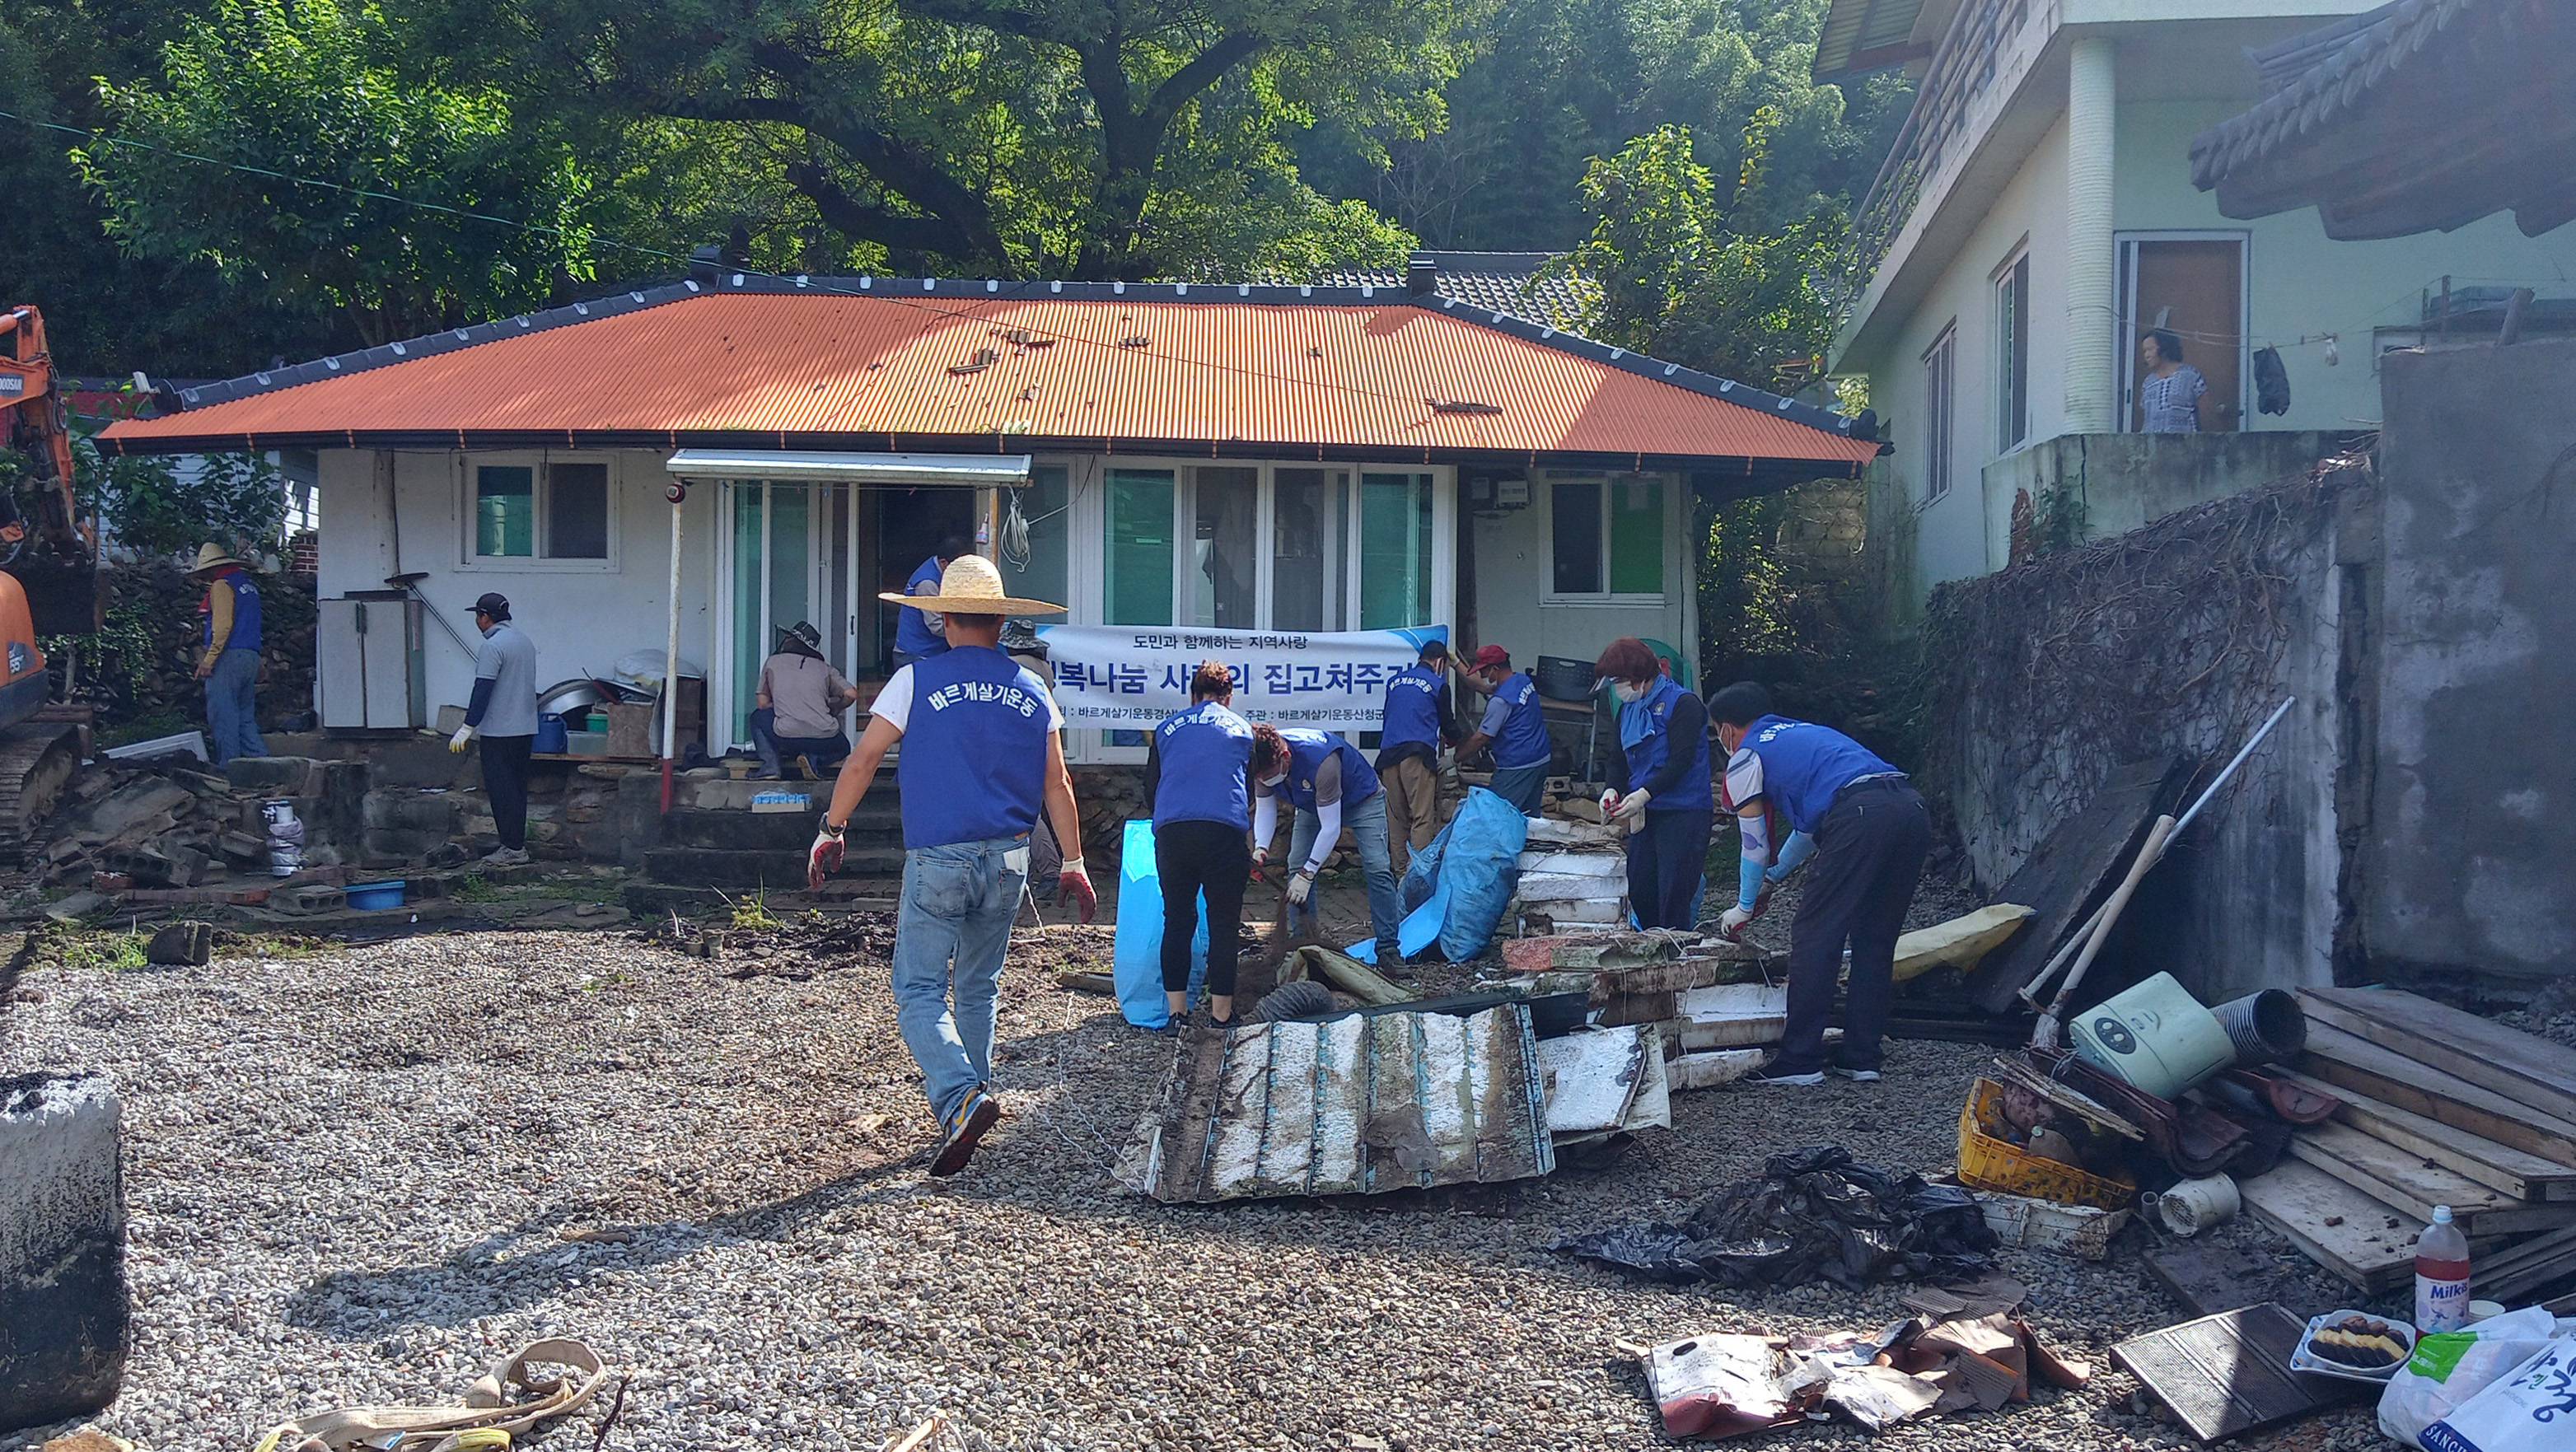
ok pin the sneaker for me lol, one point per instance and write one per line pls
(975, 1118)
(506, 857)
(1762, 1077)
(1857, 1076)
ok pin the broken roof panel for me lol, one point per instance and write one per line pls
(943, 366)
(1359, 1104)
(1861, 36)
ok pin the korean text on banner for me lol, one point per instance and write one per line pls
(1126, 676)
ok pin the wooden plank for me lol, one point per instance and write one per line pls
(2523, 1067)
(2071, 869)
(2230, 1373)
(2207, 1279)
(2414, 1185)
(2340, 1228)
(2518, 1174)
(2349, 1062)
(2511, 1274)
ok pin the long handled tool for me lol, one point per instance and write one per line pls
(2097, 928)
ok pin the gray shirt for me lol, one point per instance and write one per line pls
(508, 660)
(807, 694)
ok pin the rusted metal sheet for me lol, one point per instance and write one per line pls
(1361, 1104)
(897, 366)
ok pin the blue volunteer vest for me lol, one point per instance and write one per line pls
(1804, 764)
(1203, 752)
(1645, 734)
(1412, 710)
(912, 632)
(1523, 739)
(245, 634)
(1307, 752)
(973, 764)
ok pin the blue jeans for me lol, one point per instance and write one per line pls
(827, 751)
(1366, 820)
(958, 902)
(232, 706)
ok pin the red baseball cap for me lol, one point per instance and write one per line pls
(1492, 655)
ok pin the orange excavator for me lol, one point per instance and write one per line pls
(48, 576)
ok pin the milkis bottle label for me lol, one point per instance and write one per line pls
(2441, 1275)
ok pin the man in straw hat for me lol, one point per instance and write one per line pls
(980, 758)
(228, 653)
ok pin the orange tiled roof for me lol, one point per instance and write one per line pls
(908, 364)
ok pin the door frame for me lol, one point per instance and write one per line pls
(2125, 329)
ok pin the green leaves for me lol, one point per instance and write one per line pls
(284, 147)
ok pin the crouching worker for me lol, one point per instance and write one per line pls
(981, 758)
(1330, 786)
(1659, 784)
(1871, 833)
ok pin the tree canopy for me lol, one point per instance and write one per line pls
(282, 176)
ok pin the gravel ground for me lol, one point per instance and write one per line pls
(352, 1176)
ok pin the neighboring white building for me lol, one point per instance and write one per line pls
(2038, 212)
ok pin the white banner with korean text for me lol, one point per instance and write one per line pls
(1128, 677)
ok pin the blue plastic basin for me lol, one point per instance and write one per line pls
(368, 895)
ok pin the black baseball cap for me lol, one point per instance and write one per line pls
(494, 604)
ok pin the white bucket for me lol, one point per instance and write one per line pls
(2194, 1205)
(2154, 1036)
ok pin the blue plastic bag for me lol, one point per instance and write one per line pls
(1462, 882)
(1138, 956)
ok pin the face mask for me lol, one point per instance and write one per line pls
(1272, 781)
(1626, 692)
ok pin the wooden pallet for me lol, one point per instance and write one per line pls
(2515, 1173)
(2350, 1234)
(2414, 1185)
(2348, 1061)
(2525, 1068)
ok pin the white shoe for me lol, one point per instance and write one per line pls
(506, 857)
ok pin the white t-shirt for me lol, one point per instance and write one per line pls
(894, 703)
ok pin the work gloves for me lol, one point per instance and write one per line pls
(1301, 887)
(824, 857)
(1730, 924)
(1632, 807)
(1073, 885)
(1609, 803)
(457, 741)
(1260, 862)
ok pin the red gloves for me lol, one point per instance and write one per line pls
(1073, 885)
(824, 857)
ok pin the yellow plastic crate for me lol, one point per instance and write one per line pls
(1988, 1163)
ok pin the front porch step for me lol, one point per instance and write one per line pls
(725, 830)
(775, 869)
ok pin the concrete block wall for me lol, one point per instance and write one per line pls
(64, 1312)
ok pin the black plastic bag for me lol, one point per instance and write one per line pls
(1814, 1215)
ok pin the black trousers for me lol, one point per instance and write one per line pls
(1191, 857)
(1869, 854)
(505, 781)
(1667, 857)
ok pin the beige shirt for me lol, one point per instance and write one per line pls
(806, 693)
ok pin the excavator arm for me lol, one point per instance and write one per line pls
(39, 427)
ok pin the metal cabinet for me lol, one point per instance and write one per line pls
(372, 664)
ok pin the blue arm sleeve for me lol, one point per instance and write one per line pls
(1748, 887)
(1754, 833)
(1792, 852)
(482, 700)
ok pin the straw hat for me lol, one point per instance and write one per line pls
(212, 556)
(971, 586)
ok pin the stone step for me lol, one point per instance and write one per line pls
(776, 869)
(742, 831)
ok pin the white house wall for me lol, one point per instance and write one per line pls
(582, 617)
(1515, 564)
(2301, 285)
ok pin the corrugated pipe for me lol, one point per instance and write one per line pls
(2091, 103)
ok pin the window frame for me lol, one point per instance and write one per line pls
(1941, 415)
(539, 463)
(2012, 350)
(1609, 480)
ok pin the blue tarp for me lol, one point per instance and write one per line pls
(1138, 956)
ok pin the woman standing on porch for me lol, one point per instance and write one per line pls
(1659, 784)
(1194, 776)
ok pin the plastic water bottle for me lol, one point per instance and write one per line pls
(2441, 1275)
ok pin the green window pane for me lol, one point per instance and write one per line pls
(1042, 508)
(1574, 521)
(748, 650)
(505, 510)
(1138, 590)
(1395, 550)
(790, 579)
(1637, 537)
(1308, 532)
(1228, 507)
(577, 511)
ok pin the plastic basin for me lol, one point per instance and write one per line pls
(366, 896)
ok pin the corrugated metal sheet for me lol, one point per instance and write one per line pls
(785, 369)
(1354, 1105)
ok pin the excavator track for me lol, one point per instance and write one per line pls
(36, 760)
